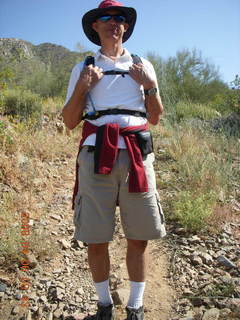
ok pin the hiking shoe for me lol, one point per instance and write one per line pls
(135, 314)
(103, 313)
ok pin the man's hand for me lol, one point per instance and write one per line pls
(89, 76)
(141, 75)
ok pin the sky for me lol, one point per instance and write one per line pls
(163, 27)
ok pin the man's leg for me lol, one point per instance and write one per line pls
(137, 260)
(99, 263)
(98, 260)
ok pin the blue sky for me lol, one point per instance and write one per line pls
(163, 27)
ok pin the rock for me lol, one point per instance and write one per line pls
(3, 287)
(94, 297)
(120, 296)
(233, 304)
(80, 291)
(18, 296)
(222, 260)
(29, 315)
(15, 310)
(187, 292)
(224, 313)
(2, 260)
(206, 258)
(4, 278)
(196, 260)
(211, 314)
(66, 244)
(56, 217)
(57, 313)
(197, 302)
(50, 316)
(32, 261)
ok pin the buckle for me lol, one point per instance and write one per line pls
(114, 111)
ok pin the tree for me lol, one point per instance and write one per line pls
(187, 76)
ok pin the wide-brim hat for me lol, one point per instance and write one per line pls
(106, 5)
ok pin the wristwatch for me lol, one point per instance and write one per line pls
(150, 92)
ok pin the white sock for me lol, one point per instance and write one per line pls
(103, 292)
(136, 294)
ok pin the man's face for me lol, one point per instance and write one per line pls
(111, 29)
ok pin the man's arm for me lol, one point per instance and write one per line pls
(73, 110)
(153, 103)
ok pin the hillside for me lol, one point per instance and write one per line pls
(194, 271)
(48, 53)
(43, 68)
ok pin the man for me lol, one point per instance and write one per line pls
(115, 160)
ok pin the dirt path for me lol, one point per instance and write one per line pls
(61, 284)
(159, 295)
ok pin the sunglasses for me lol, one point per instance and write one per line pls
(117, 18)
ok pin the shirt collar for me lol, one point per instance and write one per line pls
(125, 57)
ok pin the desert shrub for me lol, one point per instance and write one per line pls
(187, 76)
(10, 235)
(192, 209)
(6, 136)
(187, 110)
(228, 101)
(53, 105)
(193, 162)
(21, 104)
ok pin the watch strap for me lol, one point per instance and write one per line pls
(150, 92)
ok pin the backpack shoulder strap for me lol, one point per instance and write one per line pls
(136, 59)
(89, 60)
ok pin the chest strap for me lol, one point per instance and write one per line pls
(100, 113)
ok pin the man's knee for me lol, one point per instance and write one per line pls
(137, 245)
(97, 248)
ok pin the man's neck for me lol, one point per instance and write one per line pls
(113, 52)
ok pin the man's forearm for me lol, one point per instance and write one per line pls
(73, 110)
(154, 108)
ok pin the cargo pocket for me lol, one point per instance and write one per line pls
(160, 209)
(77, 211)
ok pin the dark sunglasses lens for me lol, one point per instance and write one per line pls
(119, 18)
(105, 18)
(116, 18)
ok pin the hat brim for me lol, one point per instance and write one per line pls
(92, 15)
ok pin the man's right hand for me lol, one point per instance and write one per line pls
(89, 76)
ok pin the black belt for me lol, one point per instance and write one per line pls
(100, 113)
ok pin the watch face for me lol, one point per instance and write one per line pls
(152, 91)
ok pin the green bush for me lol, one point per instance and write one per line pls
(21, 104)
(192, 210)
(227, 103)
(186, 110)
(6, 137)
(186, 76)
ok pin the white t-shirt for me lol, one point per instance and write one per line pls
(113, 91)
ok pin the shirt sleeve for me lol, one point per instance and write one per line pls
(73, 80)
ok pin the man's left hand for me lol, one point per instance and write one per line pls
(141, 75)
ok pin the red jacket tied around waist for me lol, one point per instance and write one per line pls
(106, 151)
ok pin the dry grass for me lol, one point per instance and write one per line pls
(196, 163)
(32, 165)
(34, 162)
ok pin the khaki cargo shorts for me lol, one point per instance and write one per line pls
(95, 204)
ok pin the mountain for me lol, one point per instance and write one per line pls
(31, 64)
(48, 53)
